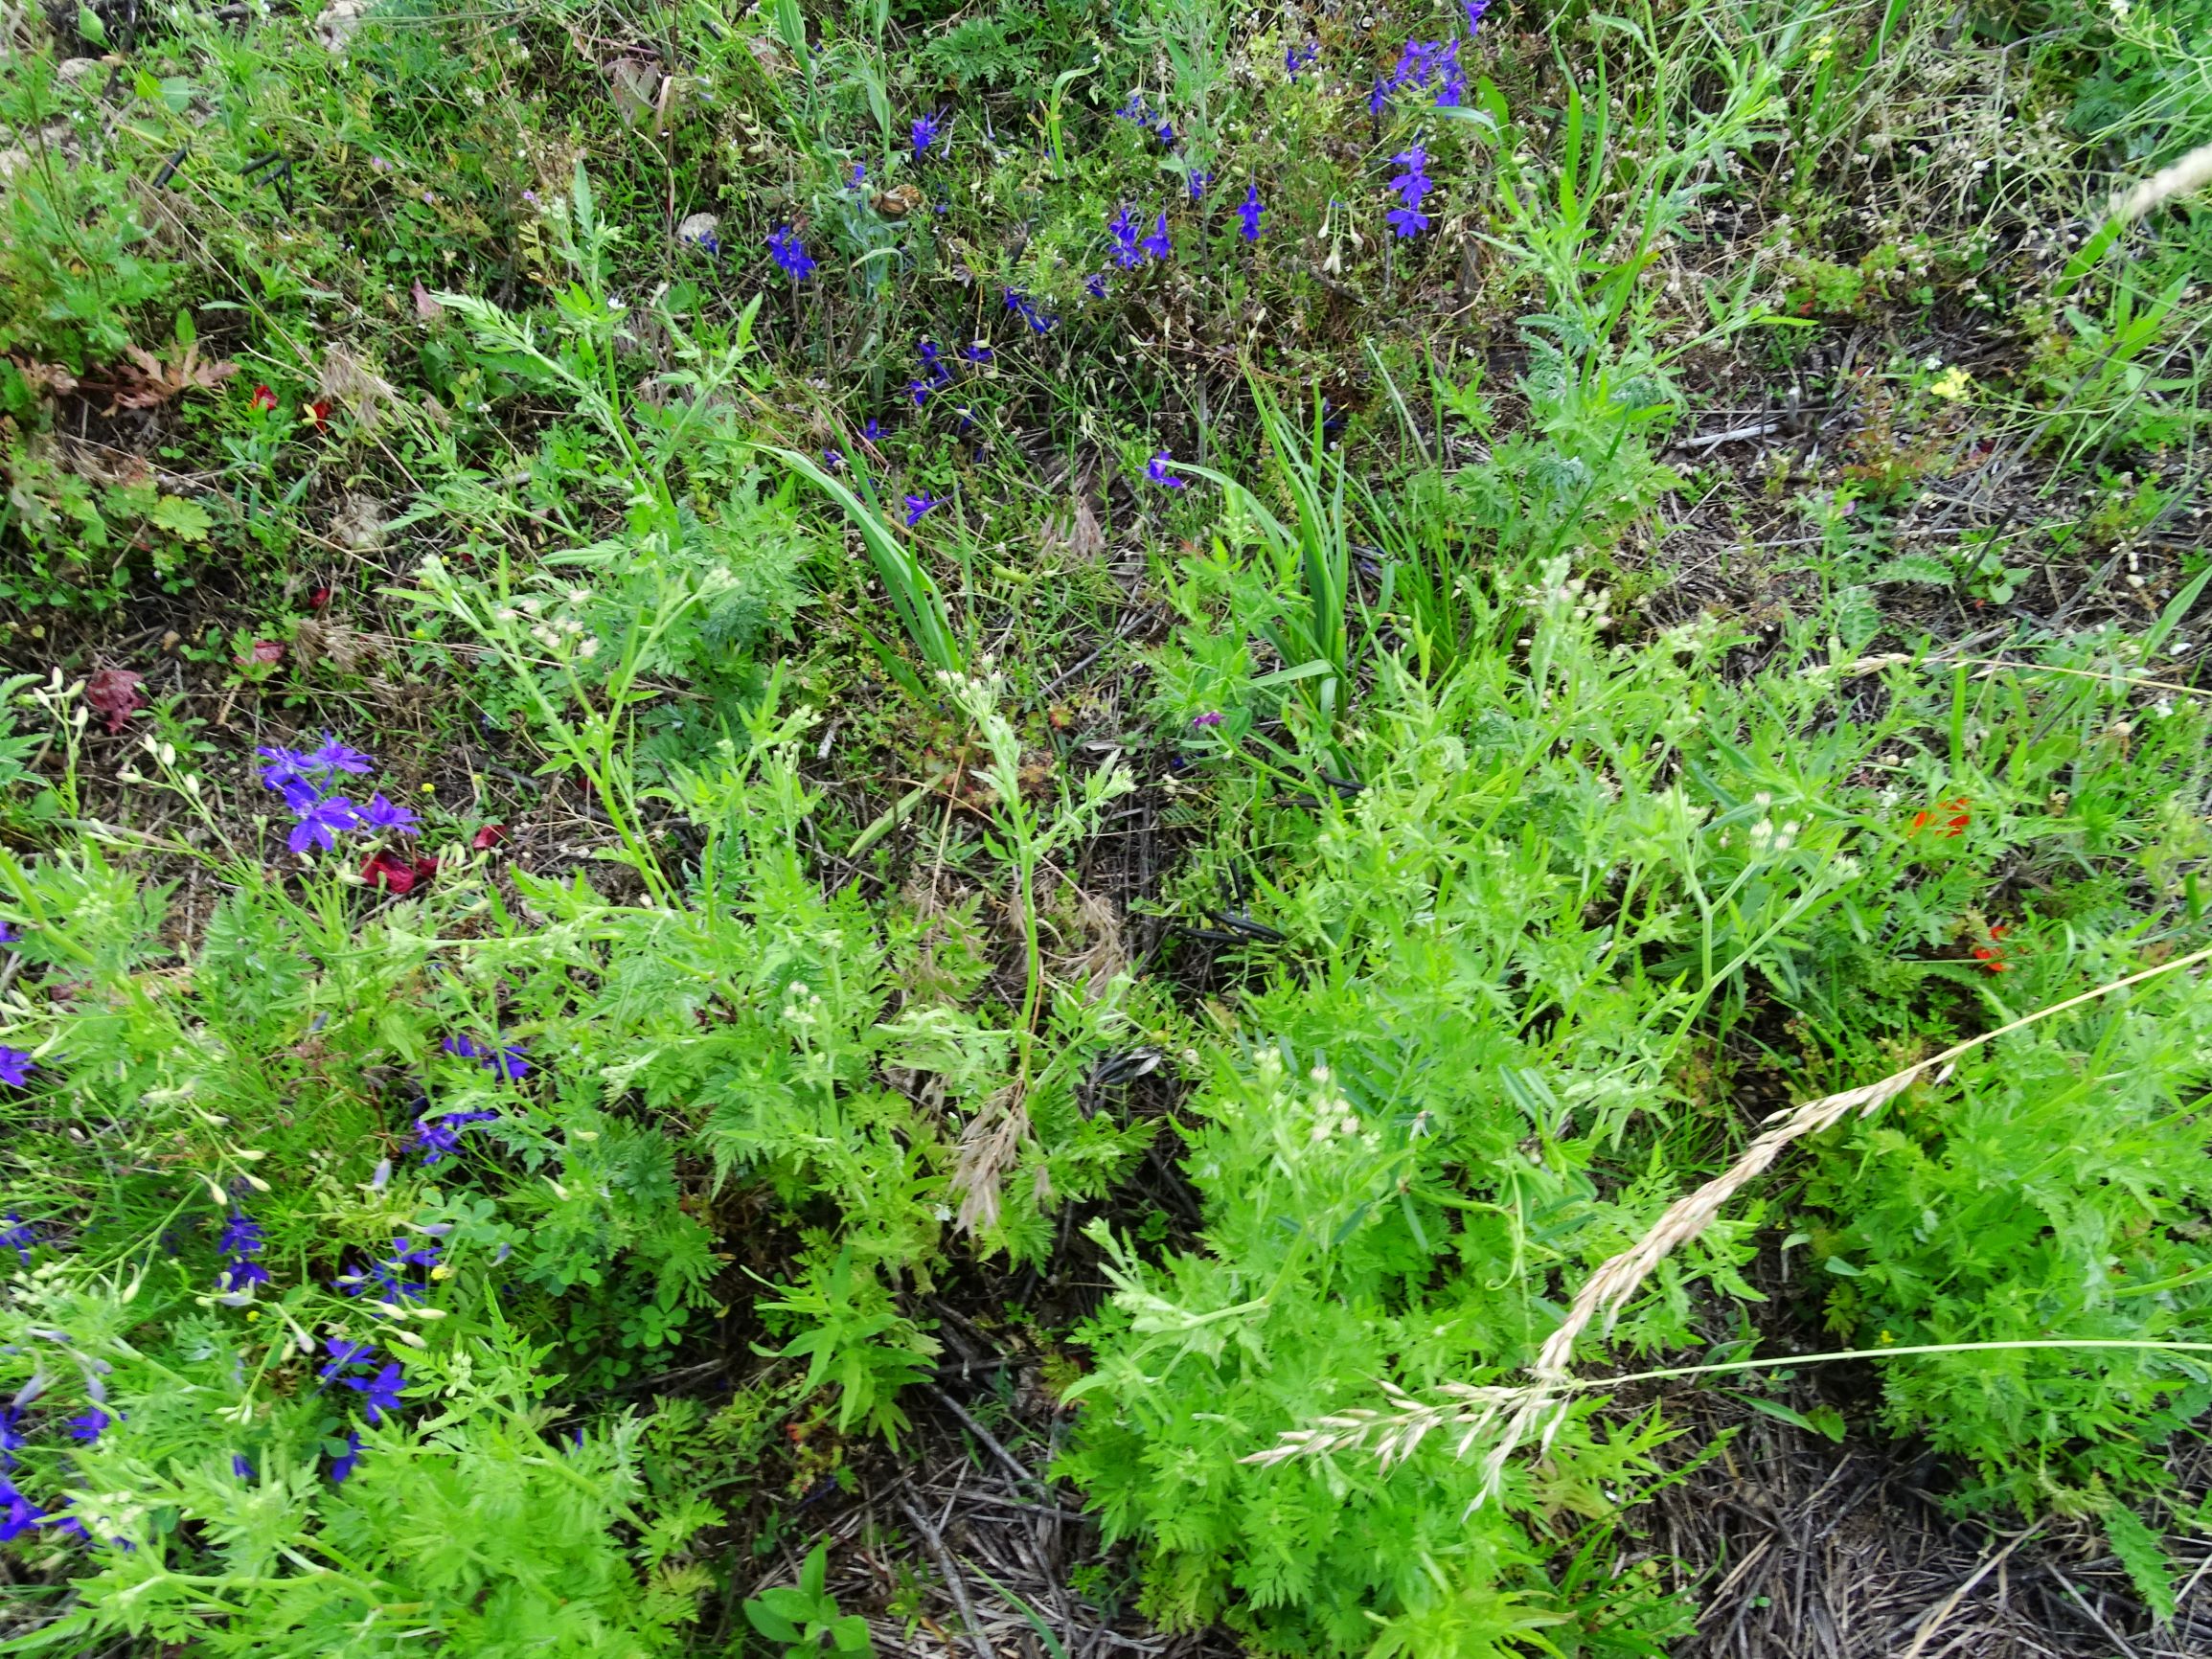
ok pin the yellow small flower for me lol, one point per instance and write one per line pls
(441, 1271)
(252, 1314)
(1953, 384)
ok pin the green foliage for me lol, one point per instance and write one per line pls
(2051, 1189)
(806, 1616)
(852, 1334)
(73, 275)
(1501, 831)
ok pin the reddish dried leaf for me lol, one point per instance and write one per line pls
(267, 652)
(45, 379)
(113, 693)
(146, 382)
(489, 837)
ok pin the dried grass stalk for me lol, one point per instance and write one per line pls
(989, 1148)
(2193, 172)
(1614, 1283)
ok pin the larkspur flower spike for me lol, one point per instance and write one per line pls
(1412, 184)
(1451, 82)
(15, 1066)
(1124, 230)
(1157, 469)
(918, 505)
(1158, 244)
(1248, 212)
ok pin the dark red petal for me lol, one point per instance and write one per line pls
(382, 870)
(489, 837)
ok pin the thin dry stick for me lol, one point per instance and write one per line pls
(1614, 1283)
(1936, 1615)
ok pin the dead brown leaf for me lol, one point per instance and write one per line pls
(144, 381)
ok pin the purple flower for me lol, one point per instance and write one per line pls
(9, 936)
(346, 1356)
(322, 823)
(282, 765)
(859, 176)
(933, 362)
(342, 1465)
(918, 505)
(1095, 285)
(1248, 212)
(1452, 89)
(784, 247)
(1199, 180)
(873, 431)
(381, 1393)
(1210, 719)
(383, 1279)
(834, 460)
(1165, 132)
(1134, 111)
(1023, 307)
(920, 391)
(1407, 221)
(925, 131)
(19, 1235)
(1378, 100)
(15, 1065)
(90, 1426)
(242, 1235)
(979, 353)
(1416, 65)
(1124, 230)
(1412, 184)
(382, 815)
(1157, 469)
(12, 1439)
(1158, 244)
(336, 756)
(18, 1514)
(241, 1466)
(439, 1138)
(419, 1255)
(509, 1062)
(1297, 58)
(1475, 8)
(238, 1274)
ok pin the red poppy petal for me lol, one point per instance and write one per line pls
(489, 837)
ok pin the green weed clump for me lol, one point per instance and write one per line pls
(653, 657)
